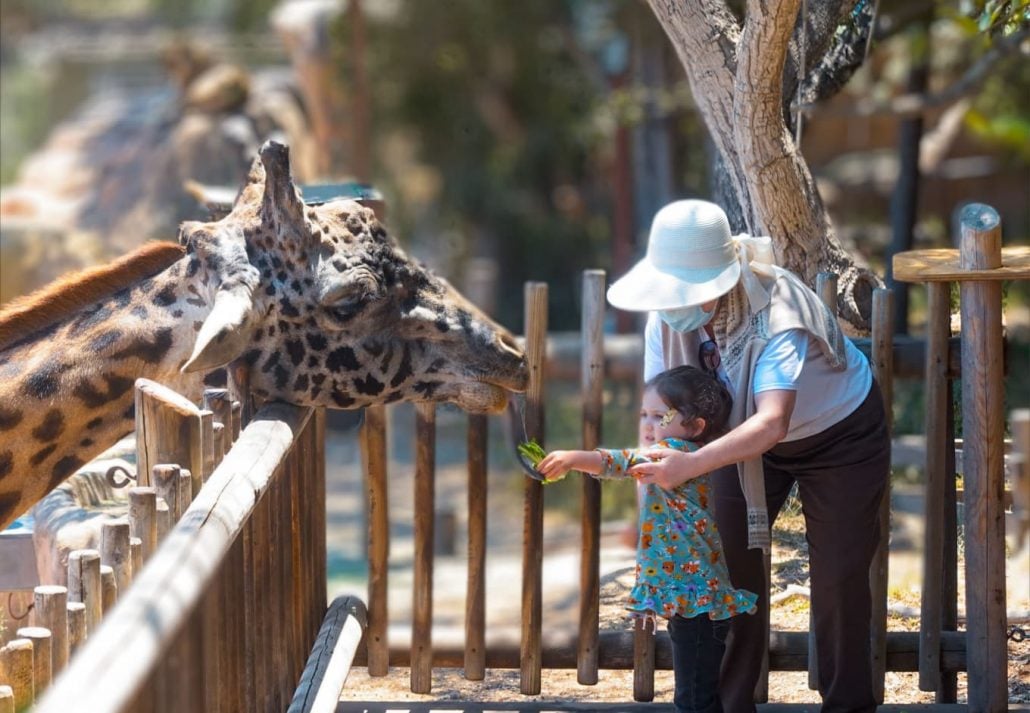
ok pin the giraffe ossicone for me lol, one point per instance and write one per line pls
(322, 306)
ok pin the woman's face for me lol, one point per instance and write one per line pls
(652, 412)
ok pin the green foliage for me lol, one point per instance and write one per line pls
(494, 112)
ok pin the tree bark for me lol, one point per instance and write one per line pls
(737, 79)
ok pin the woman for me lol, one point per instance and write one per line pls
(805, 410)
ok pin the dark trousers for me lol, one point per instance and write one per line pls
(841, 475)
(698, 644)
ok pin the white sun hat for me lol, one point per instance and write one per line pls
(691, 259)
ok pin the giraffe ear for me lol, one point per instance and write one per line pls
(225, 332)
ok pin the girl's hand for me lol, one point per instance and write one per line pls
(668, 468)
(557, 464)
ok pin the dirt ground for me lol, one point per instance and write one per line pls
(560, 587)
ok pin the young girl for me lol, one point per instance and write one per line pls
(681, 575)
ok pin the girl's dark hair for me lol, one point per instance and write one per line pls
(695, 394)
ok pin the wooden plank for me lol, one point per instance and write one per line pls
(883, 372)
(42, 656)
(168, 430)
(475, 597)
(623, 354)
(117, 661)
(108, 588)
(983, 431)
(422, 594)
(788, 650)
(207, 450)
(331, 657)
(533, 507)
(373, 451)
(938, 438)
(592, 389)
(945, 265)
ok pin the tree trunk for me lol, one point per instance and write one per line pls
(737, 78)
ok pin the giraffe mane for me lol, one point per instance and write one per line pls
(74, 290)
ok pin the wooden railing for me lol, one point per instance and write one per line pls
(225, 611)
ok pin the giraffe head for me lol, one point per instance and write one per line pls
(327, 310)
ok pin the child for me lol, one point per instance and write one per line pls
(680, 572)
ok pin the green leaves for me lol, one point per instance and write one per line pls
(532, 451)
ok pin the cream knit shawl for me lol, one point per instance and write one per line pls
(741, 330)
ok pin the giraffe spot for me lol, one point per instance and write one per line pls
(282, 376)
(9, 418)
(166, 296)
(105, 340)
(368, 385)
(42, 454)
(342, 358)
(312, 361)
(140, 312)
(177, 314)
(93, 317)
(287, 308)
(216, 379)
(271, 362)
(9, 500)
(86, 442)
(404, 370)
(95, 398)
(43, 383)
(441, 325)
(301, 384)
(342, 401)
(427, 388)
(94, 423)
(373, 348)
(295, 348)
(51, 426)
(317, 341)
(150, 352)
(392, 396)
(6, 466)
(251, 356)
(62, 469)
(317, 379)
(130, 413)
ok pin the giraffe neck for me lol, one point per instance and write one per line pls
(66, 391)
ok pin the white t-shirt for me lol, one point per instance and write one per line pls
(824, 396)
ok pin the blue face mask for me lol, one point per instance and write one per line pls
(686, 319)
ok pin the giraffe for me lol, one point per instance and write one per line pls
(322, 306)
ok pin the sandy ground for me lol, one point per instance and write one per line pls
(560, 584)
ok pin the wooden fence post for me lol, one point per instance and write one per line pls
(76, 627)
(84, 585)
(938, 439)
(373, 442)
(983, 432)
(422, 604)
(592, 389)
(883, 371)
(108, 589)
(475, 598)
(143, 518)
(533, 509)
(6, 699)
(16, 667)
(168, 430)
(114, 552)
(51, 612)
(165, 477)
(42, 656)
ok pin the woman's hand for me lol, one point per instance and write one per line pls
(557, 464)
(668, 468)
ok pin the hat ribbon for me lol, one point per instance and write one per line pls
(755, 254)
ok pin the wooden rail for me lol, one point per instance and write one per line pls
(224, 613)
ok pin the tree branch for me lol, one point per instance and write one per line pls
(909, 105)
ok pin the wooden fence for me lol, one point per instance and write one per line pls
(227, 561)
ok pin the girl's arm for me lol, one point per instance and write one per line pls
(751, 439)
(556, 464)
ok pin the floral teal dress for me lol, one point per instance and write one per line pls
(680, 569)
